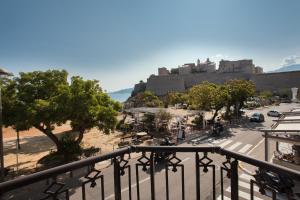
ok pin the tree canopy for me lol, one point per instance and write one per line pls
(45, 99)
(208, 96)
(239, 91)
(177, 97)
(147, 99)
(201, 95)
(266, 94)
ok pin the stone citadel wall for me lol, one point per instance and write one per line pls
(193, 79)
(161, 85)
(276, 81)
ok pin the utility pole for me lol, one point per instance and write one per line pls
(2, 73)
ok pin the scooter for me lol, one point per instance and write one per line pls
(217, 129)
(278, 182)
(161, 156)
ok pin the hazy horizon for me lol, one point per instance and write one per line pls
(121, 43)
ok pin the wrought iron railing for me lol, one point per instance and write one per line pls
(84, 179)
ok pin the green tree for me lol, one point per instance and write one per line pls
(88, 107)
(45, 99)
(266, 94)
(208, 96)
(162, 119)
(38, 104)
(220, 97)
(201, 95)
(285, 93)
(177, 97)
(147, 99)
(198, 121)
(149, 122)
(239, 91)
(14, 114)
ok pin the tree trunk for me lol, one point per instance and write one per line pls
(52, 137)
(227, 111)
(215, 114)
(18, 140)
(80, 135)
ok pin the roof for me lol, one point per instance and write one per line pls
(288, 123)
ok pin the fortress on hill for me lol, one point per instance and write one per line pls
(184, 77)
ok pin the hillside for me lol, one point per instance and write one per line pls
(121, 95)
(295, 67)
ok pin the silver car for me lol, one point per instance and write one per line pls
(274, 113)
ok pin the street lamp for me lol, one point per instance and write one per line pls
(2, 73)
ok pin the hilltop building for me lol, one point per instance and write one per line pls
(163, 71)
(186, 76)
(189, 68)
(225, 66)
(240, 66)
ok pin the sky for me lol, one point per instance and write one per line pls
(122, 42)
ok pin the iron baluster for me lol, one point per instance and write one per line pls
(234, 180)
(117, 179)
(152, 176)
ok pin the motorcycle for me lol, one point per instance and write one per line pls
(217, 128)
(278, 182)
(161, 156)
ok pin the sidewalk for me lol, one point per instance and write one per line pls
(258, 152)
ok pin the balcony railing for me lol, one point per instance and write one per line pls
(84, 180)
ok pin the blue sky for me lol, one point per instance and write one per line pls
(122, 42)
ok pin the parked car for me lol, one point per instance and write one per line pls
(257, 117)
(285, 100)
(274, 113)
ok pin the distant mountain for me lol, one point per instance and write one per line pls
(295, 67)
(121, 95)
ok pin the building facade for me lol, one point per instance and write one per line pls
(186, 76)
(239, 66)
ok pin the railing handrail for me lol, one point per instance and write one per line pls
(261, 163)
(42, 175)
(276, 131)
(222, 151)
(175, 149)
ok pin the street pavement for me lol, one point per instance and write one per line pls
(242, 137)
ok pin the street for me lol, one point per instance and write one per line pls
(243, 137)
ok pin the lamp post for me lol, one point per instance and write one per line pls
(2, 73)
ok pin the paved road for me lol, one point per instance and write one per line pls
(244, 138)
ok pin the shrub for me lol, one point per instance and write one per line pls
(71, 148)
(198, 121)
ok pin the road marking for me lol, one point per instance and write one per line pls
(245, 148)
(186, 159)
(225, 143)
(244, 195)
(246, 177)
(141, 181)
(218, 141)
(247, 185)
(249, 152)
(225, 198)
(235, 145)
